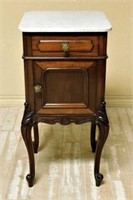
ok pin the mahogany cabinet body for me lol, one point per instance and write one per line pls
(65, 83)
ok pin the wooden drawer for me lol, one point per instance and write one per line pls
(64, 46)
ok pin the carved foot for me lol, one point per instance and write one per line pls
(99, 178)
(30, 179)
(103, 126)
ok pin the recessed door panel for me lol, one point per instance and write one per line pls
(65, 85)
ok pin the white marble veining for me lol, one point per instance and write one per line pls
(64, 21)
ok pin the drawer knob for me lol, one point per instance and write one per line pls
(65, 48)
(37, 89)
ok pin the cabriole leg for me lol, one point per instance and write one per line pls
(103, 126)
(27, 123)
(26, 134)
(36, 138)
(93, 136)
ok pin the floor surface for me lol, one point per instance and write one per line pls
(64, 163)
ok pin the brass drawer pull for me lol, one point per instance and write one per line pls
(65, 46)
(37, 89)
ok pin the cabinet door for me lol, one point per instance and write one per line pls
(64, 85)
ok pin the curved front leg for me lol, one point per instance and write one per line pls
(36, 138)
(103, 126)
(26, 134)
(27, 123)
(93, 136)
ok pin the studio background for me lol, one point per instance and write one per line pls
(119, 79)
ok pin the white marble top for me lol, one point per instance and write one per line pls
(64, 21)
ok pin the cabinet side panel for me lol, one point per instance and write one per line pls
(27, 44)
(101, 75)
(102, 47)
(29, 81)
(92, 86)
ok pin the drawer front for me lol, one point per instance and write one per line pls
(64, 46)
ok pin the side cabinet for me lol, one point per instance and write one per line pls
(65, 75)
(70, 78)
